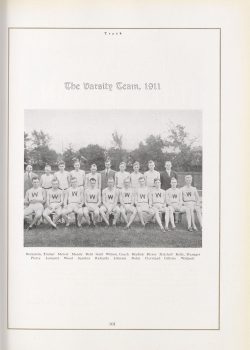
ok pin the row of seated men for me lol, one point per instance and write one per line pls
(126, 202)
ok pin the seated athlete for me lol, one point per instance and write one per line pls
(54, 203)
(127, 203)
(142, 201)
(73, 202)
(109, 199)
(191, 199)
(34, 199)
(92, 200)
(175, 204)
(157, 200)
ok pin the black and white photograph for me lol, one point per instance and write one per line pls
(113, 178)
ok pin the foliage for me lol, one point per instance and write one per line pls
(176, 147)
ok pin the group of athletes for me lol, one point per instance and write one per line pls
(55, 196)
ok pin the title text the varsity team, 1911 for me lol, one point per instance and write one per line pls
(119, 85)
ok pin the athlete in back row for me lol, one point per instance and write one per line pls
(121, 175)
(135, 175)
(191, 200)
(46, 179)
(54, 204)
(78, 173)
(93, 175)
(73, 202)
(62, 176)
(127, 203)
(151, 175)
(92, 200)
(110, 196)
(34, 200)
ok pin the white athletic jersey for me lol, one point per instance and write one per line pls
(150, 176)
(62, 178)
(109, 196)
(126, 195)
(142, 194)
(134, 179)
(188, 194)
(92, 195)
(54, 196)
(46, 181)
(158, 196)
(96, 176)
(35, 194)
(120, 177)
(74, 195)
(79, 175)
(173, 196)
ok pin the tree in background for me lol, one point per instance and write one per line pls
(93, 154)
(177, 147)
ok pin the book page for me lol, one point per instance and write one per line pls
(116, 185)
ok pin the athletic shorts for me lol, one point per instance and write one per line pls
(73, 207)
(114, 211)
(33, 208)
(128, 208)
(49, 211)
(160, 207)
(145, 207)
(92, 207)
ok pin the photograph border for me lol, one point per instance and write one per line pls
(220, 110)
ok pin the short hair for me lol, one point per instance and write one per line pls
(35, 178)
(168, 161)
(157, 179)
(93, 165)
(136, 163)
(108, 160)
(188, 175)
(92, 179)
(122, 163)
(173, 178)
(76, 161)
(61, 162)
(29, 165)
(47, 166)
(151, 161)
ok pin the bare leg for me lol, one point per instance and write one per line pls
(124, 216)
(140, 214)
(104, 216)
(132, 217)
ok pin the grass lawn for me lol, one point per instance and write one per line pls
(102, 236)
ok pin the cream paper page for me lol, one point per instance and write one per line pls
(179, 295)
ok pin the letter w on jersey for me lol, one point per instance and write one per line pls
(158, 195)
(189, 194)
(174, 196)
(54, 196)
(110, 196)
(34, 194)
(142, 196)
(92, 196)
(126, 194)
(74, 193)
